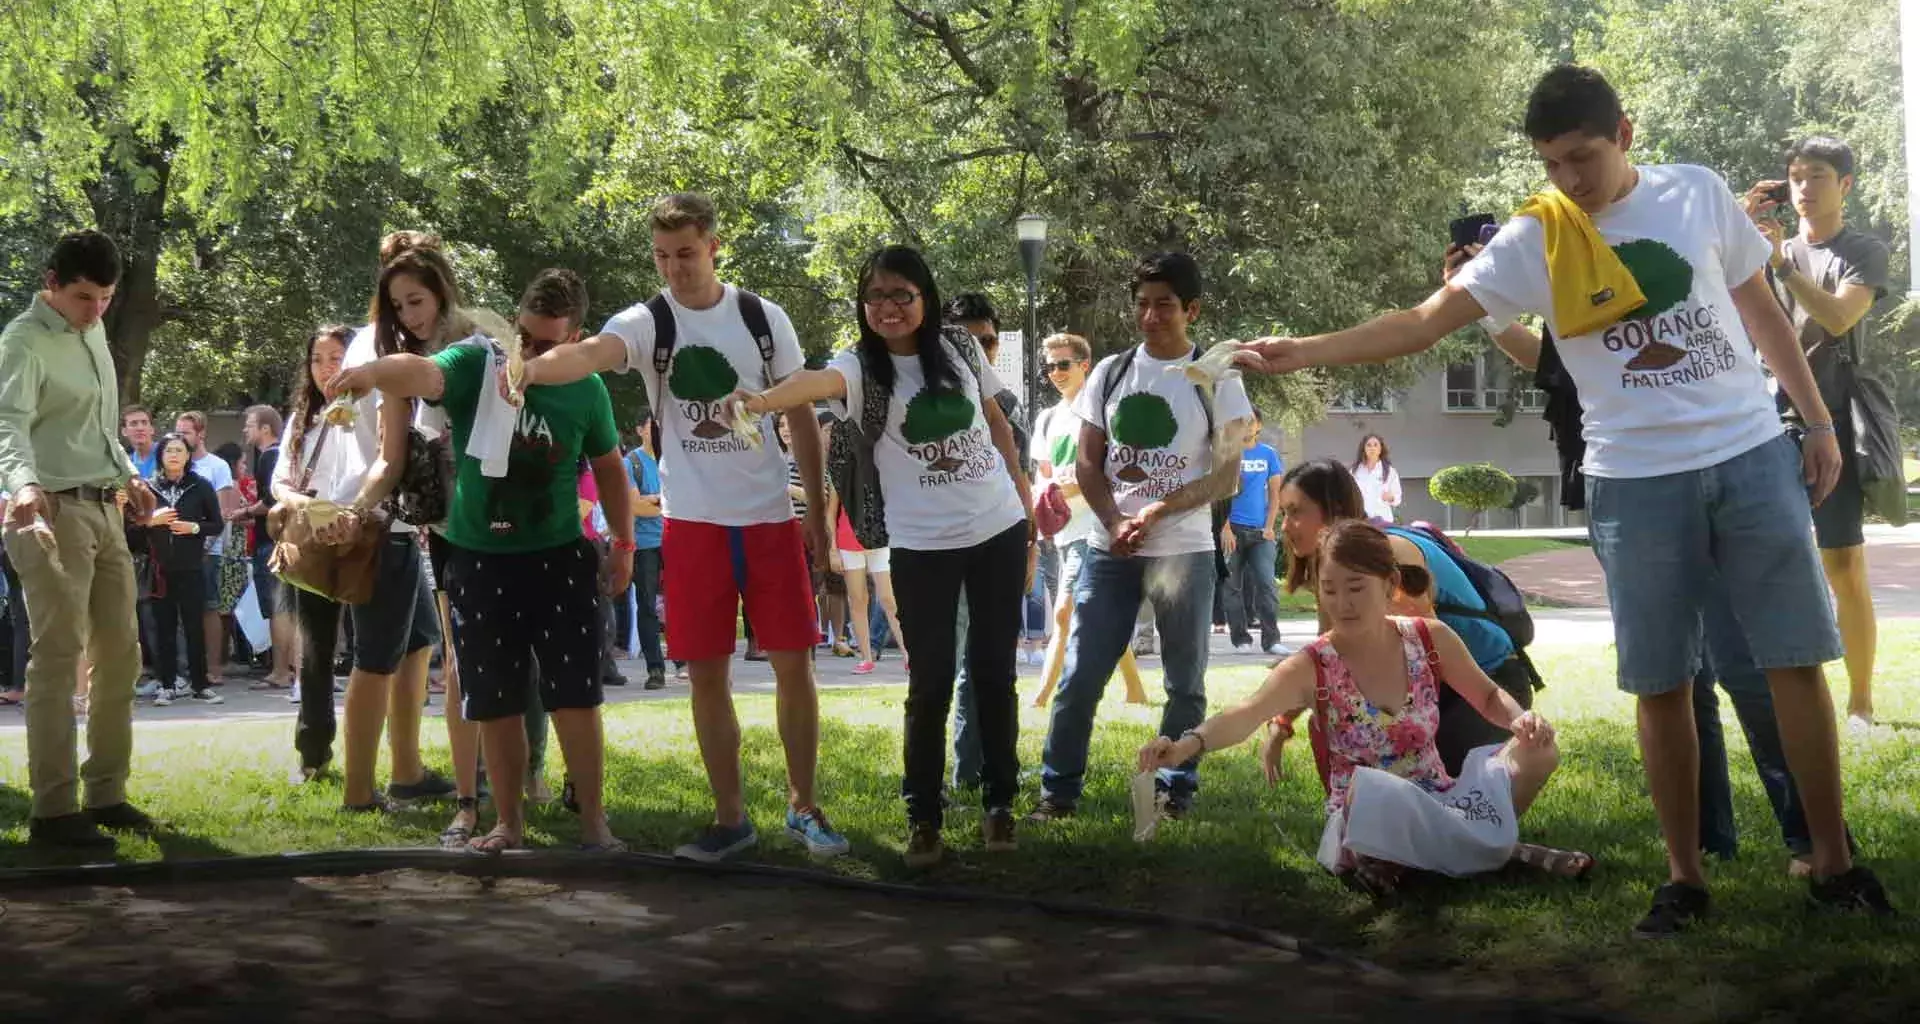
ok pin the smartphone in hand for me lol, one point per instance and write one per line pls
(1470, 230)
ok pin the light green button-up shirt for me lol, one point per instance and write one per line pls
(59, 405)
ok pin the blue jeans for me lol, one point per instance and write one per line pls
(646, 585)
(1252, 594)
(1667, 543)
(1728, 660)
(1106, 604)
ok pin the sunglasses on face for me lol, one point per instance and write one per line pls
(896, 296)
(1059, 365)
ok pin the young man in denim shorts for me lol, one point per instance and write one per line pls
(1690, 474)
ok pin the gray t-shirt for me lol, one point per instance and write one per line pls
(1850, 257)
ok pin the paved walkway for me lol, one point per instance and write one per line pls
(1571, 576)
(243, 705)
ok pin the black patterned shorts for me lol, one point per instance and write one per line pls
(508, 609)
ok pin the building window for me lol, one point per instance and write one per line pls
(1481, 386)
(1350, 402)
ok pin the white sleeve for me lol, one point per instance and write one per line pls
(846, 363)
(1743, 249)
(1393, 484)
(990, 384)
(283, 466)
(1091, 406)
(634, 327)
(1230, 403)
(1509, 276)
(1038, 447)
(788, 358)
(220, 475)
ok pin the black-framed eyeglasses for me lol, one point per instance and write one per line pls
(1060, 365)
(896, 296)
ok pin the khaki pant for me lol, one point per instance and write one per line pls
(85, 606)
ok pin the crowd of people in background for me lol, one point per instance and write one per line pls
(895, 494)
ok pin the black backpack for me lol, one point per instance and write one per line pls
(665, 333)
(850, 465)
(1220, 509)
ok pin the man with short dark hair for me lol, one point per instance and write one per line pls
(261, 429)
(1150, 469)
(1248, 539)
(1827, 277)
(192, 425)
(1658, 295)
(62, 464)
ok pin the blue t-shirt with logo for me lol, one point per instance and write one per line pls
(644, 471)
(1258, 464)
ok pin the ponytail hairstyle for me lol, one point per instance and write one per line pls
(419, 256)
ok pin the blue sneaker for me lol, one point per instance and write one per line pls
(810, 827)
(717, 842)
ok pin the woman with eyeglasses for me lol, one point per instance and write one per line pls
(956, 514)
(1318, 495)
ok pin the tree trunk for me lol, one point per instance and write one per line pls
(135, 217)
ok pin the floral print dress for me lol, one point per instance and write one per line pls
(1389, 796)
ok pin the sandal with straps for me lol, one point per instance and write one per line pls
(497, 842)
(1570, 864)
(456, 836)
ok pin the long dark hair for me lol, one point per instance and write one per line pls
(1360, 456)
(429, 266)
(308, 400)
(875, 362)
(1329, 485)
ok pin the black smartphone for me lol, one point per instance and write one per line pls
(1780, 193)
(1466, 231)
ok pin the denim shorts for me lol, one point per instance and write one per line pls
(1073, 559)
(401, 618)
(1662, 540)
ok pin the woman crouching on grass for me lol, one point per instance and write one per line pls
(1391, 804)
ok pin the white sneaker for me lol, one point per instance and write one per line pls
(164, 696)
(147, 689)
(1243, 648)
(1859, 725)
(206, 697)
(1280, 651)
(293, 695)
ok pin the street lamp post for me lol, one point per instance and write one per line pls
(1032, 229)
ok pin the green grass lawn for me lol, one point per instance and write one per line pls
(1246, 853)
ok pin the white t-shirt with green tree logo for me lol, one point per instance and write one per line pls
(1157, 443)
(708, 474)
(945, 484)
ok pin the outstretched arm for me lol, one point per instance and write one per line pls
(803, 388)
(1287, 691)
(1382, 339)
(395, 376)
(564, 364)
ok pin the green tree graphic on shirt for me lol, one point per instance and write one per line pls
(1141, 421)
(1666, 279)
(934, 417)
(702, 376)
(1066, 448)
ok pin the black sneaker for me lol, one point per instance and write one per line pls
(122, 817)
(432, 786)
(614, 679)
(1676, 905)
(1049, 810)
(656, 679)
(378, 805)
(72, 831)
(1856, 892)
(206, 698)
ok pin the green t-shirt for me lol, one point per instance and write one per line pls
(536, 505)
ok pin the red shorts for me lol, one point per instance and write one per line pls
(712, 570)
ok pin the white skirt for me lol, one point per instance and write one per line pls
(1467, 830)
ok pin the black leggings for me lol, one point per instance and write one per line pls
(179, 609)
(319, 629)
(928, 586)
